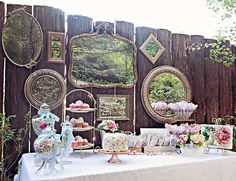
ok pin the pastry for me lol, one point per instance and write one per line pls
(75, 144)
(85, 125)
(85, 106)
(115, 142)
(85, 141)
(79, 122)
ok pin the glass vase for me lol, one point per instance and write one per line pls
(191, 150)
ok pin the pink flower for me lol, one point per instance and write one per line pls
(112, 125)
(44, 125)
(194, 128)
(223, 136)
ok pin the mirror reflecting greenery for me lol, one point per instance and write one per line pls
(56, 47)
(22, 39)
(164, 85)
(152, 48)
(165, 88)
(102, 60)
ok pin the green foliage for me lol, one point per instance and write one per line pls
(166, 87)
(226, 9)
(56, 48)
(102, 59)
(13, 137)
(22, 38)
(218, 52)
(152, 48)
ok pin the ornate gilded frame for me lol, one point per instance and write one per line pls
(45, 82)
(36, 59)
(61, 37)
(146, 86)
(100, 30)
(124, 117)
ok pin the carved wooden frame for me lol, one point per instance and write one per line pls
(62, 48)
(146, 86)
(44, 73)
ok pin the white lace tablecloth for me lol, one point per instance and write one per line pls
(94, 167)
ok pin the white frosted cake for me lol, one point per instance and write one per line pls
(115, 142)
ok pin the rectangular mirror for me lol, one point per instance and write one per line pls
(113, 107)
(102, 60)
(56, 47)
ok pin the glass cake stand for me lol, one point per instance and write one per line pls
(114, 155)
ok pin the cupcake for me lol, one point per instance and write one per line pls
(85, 141)
(78, 138)
(85, 106)
(75, 144)
(79, 104)
(79, 122)
(73, 106)
(85, 125)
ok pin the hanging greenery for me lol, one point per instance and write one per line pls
(10, 136)
(218, 52)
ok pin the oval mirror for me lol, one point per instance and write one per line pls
(22, 39)
(164, 85)
(102, 60)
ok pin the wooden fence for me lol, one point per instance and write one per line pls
(213, 85)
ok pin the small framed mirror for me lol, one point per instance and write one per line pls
(56, 47)
(152, 48)
(22, 39)
(114, 107)
(164, 85)
(102, 59)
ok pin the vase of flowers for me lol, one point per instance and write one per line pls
(188, 138)
(107, 126)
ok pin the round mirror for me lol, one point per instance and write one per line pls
(164, 85)
(22, 39)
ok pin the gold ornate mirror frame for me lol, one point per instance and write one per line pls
(22, 45)
(88, 44)
(146, 88)
(45, 86)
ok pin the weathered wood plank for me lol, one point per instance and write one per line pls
(179, 57)
(144, 66)
(50, 19)
(225, 90)
(2, 14)
(165, 37)
(233, 70)
(16, 103)
(197, 70)
(126, 30)
(211, 87)
(77, 25)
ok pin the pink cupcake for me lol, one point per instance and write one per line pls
(85, 141)
(75, 144)
(85, 125)
(85, 106)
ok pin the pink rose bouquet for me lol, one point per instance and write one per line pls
(187, 134)
(108, 126)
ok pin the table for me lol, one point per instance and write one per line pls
(94, 167)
